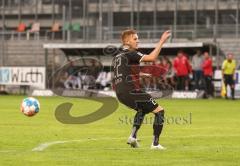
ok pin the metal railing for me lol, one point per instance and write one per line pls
(13, 35)
(149, 34)
(145, 32)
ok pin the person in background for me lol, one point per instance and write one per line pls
(228, 71)
(164, 69)
(103, 80)
(208, 73)
(146, 76)
(169, 76)
(159, 70)
(182, 68)
(197, 61)
(189, 75)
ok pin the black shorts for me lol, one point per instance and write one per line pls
(138, 100)
(228, 79)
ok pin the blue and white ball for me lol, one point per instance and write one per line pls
(30, 106)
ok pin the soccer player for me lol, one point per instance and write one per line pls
(207, 73)
(197, 62)
(182, 69)
(228, 71)
(126, 68)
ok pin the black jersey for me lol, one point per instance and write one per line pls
(126, 68)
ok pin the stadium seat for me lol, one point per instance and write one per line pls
(67, 27)
(55, 27)
(71, 27)
(76, 27)
(21, 27)
(35, 27)
(54, 32)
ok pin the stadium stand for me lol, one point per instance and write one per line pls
(213, 23)
(21, 27)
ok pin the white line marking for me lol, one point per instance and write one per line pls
(43, 146)
(7, 151)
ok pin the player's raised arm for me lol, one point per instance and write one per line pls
(154, 54)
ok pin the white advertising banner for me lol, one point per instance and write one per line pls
(32, 76)
(218, 76)
(237, 81)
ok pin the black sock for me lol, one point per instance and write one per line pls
(138, 119)
(232, 92)
(226, 96)
(157, 126)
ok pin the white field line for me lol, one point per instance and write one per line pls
(43, 146)
(7, 151)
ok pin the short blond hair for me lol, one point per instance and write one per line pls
(126, 33)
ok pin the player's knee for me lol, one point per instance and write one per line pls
(159, 118)
(158, 109)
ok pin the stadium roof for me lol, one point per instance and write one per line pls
(99, 49)
(104, 45)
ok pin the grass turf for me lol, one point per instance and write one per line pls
(197, 132)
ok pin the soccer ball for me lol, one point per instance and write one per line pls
(30, 106)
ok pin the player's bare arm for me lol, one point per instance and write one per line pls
(154, 54)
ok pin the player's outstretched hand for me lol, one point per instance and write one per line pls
(165, 36)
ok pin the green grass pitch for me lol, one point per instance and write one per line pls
(208, 133)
